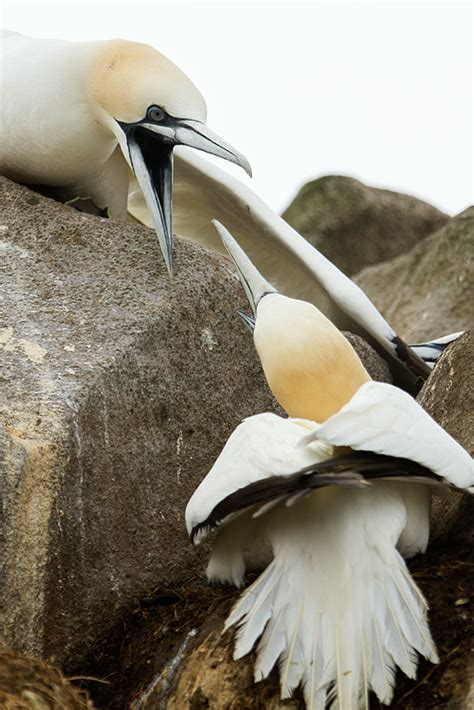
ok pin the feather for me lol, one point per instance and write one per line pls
(336, 632)
(383, 419)
(431, 351)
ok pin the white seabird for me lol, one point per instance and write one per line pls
(81, 115)
(332, 499)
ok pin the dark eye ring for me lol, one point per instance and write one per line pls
(155, 113)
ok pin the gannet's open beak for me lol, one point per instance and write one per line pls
(150, 155)
(247, 319)
(152, 162)
(255, 286)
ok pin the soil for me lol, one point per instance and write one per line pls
(153, 632)
(27, 683)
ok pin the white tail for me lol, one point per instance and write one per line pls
(336, 608)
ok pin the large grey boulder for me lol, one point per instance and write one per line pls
(355, 225)
(448, 395)
(428, 292)
(118, 388)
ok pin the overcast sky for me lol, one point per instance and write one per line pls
(380, 91)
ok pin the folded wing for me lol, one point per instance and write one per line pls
(385, 420)
(262, 447)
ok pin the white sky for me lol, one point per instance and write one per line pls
(382, 91)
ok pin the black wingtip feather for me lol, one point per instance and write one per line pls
(414, 363)
(356, 469)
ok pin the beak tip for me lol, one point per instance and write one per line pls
(244, 163)
(169, 263)
(223, 233)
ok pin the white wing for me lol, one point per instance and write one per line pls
(384, 419)
(261, 446)
(203, 192)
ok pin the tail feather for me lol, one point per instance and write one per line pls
(402, 653)
(337, 633)
(431, 351)
(292, 662)
(257, 620)
(270, 648)
(383, 672)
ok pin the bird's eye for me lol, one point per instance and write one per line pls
(155, 113)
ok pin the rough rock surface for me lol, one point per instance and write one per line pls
(355, 225)
(374, 363)
(448, 395)
(428, 292)
(119, 388)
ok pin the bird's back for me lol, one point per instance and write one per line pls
(49, 133)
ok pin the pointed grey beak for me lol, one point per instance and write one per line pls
(255, 286)
(196, 134)
(150, 146)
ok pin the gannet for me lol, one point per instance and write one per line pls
(331, 500)
(203, 192)
(81, 115)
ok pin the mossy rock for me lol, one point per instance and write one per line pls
(355, 225)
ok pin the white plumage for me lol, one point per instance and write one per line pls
(431, 351)
(80, 117)
(335, 607)
(383, 419)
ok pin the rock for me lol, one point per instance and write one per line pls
(374, 363)
(203, 675)
(30, 683)
(427, 292)
(448, 395)
(355, 225)
(119, 387)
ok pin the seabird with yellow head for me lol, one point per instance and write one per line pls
(328, 501)
(80, 115)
